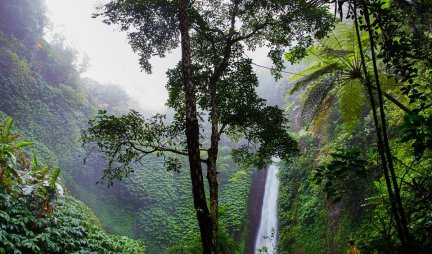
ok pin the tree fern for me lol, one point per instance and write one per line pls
(333, 68)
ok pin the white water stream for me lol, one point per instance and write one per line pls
(267, 231)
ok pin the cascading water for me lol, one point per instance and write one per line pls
(267, 231)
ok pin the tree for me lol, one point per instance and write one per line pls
(333, 69)
(220, 81)
(374, 11)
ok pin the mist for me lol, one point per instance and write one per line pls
(112, 61)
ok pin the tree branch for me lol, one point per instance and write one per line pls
(254, 32)
(395, 101)
(161, 149)
(224, 125)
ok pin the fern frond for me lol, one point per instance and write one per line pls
(351, 101)
(34, 161)
(43, 172)
(314, 55)
(315, 97)
(320, 123)
(313, 76)
(341, 37)
(23, 144)
(305, 72)
(339, 53)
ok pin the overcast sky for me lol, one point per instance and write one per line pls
(111, 58)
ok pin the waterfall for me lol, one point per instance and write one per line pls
(267, 232)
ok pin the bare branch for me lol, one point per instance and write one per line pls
(254, 32)
(222, 129)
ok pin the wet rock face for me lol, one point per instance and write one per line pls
(256, 197)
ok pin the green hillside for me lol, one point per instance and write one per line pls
(51, 105)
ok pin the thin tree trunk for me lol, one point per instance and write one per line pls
(378, 130)
(212, 167)
(404, 223)
(215, 132)
(214, 144)
(214, 140)
(1, 175)
(192, 136)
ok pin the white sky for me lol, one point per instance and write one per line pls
(111, 58)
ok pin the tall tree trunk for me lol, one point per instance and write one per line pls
(214, 141)
(192, 136)
(404, 223)
(212, 160)
(378, 131)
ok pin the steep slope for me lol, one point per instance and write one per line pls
(41, 89)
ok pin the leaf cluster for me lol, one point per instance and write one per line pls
(242, 113)
(12, 157)
(345, 167)
(70, 228)
(129, 138)
(152, 26)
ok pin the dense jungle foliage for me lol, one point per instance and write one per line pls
(337, 190)
(36, 216)
(360, 105)
(42, 91)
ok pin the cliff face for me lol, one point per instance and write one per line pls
(254, 208)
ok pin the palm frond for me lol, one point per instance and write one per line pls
(312, 74)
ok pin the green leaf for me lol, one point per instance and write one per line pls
(54, 177)
(23, 144)
(351, 103)
(7, 128)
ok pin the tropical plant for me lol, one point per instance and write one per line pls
(392, 57)
(213, 39)
(334, 73)
(12, 158)
(36, 217)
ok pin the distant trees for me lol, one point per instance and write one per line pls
(215, 77)
(23, 23)
(24, 19)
